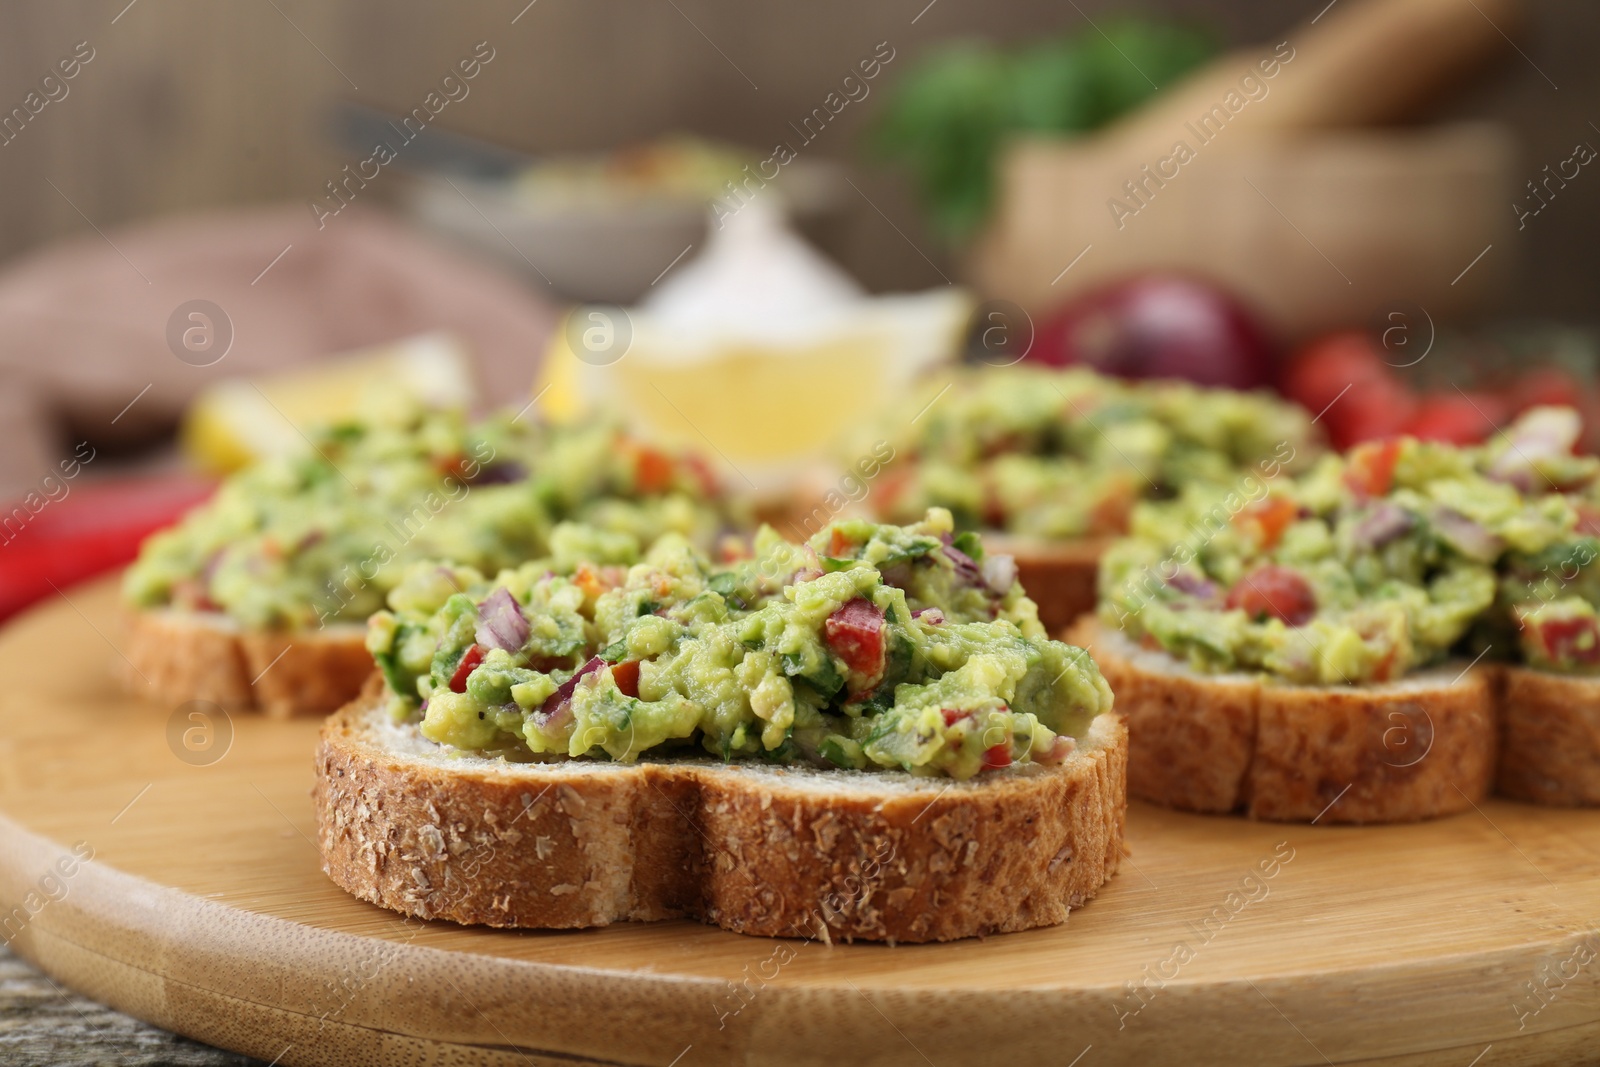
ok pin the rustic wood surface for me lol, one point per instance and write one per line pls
(203, 910)
(43, 1024)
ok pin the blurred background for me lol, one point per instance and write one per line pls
(190, 104)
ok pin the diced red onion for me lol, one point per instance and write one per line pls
(931, 616)
(1382, 524)
(1467, 536)
(966, 566)
(557, 707)
(1193, 585)
(1540, 433)
(501, 623)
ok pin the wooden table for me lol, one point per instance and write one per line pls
(42, 1023)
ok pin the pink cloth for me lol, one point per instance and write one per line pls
(83, 324)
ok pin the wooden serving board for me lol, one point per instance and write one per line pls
(203, 909)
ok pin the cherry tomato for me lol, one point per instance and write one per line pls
(1460, 419)
(1274, 591)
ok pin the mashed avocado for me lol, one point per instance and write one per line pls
(868, 647)
(1549, 592)
(323, 536)
(1367, 567)
(1062, 454)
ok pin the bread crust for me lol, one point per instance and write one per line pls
(1414, 749)
(1549, 737)
(1059, 576)
(757, 849)
(187, 655)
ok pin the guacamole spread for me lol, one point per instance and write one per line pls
(1368, 566)
(1066, 454)
(868, 647)
(1548, 595)
(323, 536)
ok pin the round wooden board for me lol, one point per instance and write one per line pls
(1469, 940)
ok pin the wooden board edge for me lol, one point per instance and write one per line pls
(199, 967)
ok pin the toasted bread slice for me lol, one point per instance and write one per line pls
(755, 848)
(1549, 737)
(189, 655)
(1411, 749)
(1059, 576)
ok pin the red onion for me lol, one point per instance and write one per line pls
(1541, 433)
(931, 616)
(558, 705)
(501, 623)
(1466, 536)
(966, 566)
(1160, 326)
(1193, 585)
(1381, 525)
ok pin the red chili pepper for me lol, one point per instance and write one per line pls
(626, 675)
(472, 657)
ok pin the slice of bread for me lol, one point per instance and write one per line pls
(1059, 576)
(1411, 749)
(189, 655)
(755, 848)
(1549, 737)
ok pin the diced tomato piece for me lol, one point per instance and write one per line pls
(1456, 418)
(1571, 640)
(1270, 517)
(626, 675)
(954, 715)
(1370, 471)
(997, 756)
(454, 465)
(1273, 591)
(653, 470)
(590, 579)
(1588, 521)
(704, 476)
(838, 544)
(855, 634)
(473, 657)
